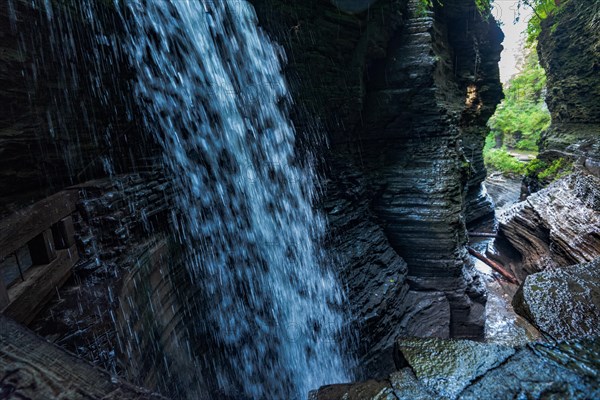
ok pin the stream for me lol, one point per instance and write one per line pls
(502, 325)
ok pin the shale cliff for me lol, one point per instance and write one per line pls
(558, 226)
(403, 95)
(394, 98)
(556, 229)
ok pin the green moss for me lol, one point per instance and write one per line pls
(548, 172)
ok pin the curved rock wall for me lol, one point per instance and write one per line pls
(403, 96)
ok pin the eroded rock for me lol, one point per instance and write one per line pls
(461, 369)
(557, 226)
(565, 302)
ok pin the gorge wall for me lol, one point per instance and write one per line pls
(392, 100)
(558, 226)
(403, 95)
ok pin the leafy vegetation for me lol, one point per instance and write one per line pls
(520, 118)
(541, 10)
(548, 172)
(501, 160)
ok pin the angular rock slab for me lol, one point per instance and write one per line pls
(447, 367)
(564, 303)
(556, 227)
(459, 369)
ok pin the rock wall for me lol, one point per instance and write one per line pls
(558, 226)
(403, 95)
(569, 50)
(67, 114)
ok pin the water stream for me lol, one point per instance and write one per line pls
(210, 85)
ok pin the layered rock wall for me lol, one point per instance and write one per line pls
(67, 113)
(569, 49)
(558, 226)
(402, 95)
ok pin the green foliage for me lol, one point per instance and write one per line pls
(549, 172)
(542, 9)
(484, 6)
(522, 116)
(501, 160)
(424, 6)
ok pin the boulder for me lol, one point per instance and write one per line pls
(564, 303)
(466, 370)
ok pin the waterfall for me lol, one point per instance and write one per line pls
(210, 86)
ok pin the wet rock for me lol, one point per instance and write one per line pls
(563, 303)
(448, 367)
(404, 167)
(557, 226)
(504, 191)
(461, 369)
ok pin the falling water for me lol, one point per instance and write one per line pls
(211, 88)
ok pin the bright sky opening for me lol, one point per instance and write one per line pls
(505, 11)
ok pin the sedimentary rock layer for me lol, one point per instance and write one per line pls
(563, 303)
(557, 226)
(569, 52)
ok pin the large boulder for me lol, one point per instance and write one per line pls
(466, 370)
(564, 303)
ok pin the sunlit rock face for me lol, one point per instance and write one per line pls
(403, 98)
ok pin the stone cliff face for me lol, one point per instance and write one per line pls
(403, 96)
(558, 226)
(569, 49)
(394, 99)
(66, 114)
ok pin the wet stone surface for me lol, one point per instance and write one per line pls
(462, 369)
